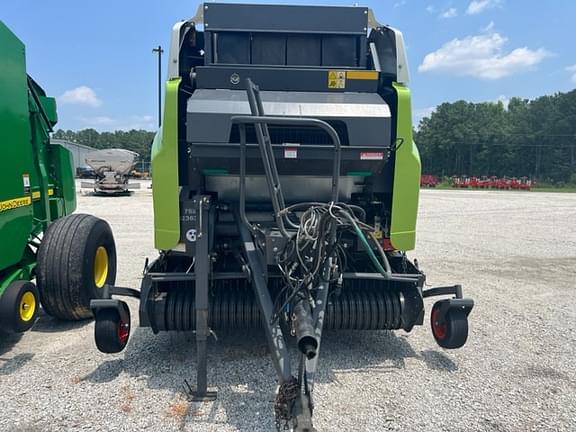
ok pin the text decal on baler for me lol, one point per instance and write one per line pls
(15, 203)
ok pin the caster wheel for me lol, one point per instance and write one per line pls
(19, 306)
(449, 326)
(111, 332)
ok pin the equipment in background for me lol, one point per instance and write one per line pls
(70, 256)
(484, 182)
(85, 172)
(112, 168)
(429, 181)
(286, 187)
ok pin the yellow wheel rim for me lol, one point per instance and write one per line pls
(100, 267)
(27, 306)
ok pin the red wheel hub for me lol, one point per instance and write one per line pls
(438, 329)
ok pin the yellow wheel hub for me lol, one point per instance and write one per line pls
(27, 306)
(100, 267)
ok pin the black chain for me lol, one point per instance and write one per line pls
(404, 263)
(285, 399)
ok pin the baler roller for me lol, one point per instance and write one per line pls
(235, 307)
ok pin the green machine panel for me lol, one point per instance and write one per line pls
(16, 164)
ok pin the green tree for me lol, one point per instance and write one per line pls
(535, 138)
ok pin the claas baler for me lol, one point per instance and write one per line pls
(69, 256)
(286, 186)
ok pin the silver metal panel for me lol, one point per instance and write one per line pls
(294, 188)
(117, 160)
(174, 54)
(294, 104)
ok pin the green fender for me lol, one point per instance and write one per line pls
(165, 173)
(407, 174)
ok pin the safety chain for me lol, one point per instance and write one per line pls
(285, 399)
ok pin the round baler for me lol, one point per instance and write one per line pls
(286, 185)
(71, 256)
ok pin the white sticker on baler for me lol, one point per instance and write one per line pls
(290, 153)
(26, 183)
(191, 235)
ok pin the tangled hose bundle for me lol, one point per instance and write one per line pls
(318, 231)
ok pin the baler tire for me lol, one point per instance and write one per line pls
(19, 307)
(455, 328)
(110, 332)
(76, 258)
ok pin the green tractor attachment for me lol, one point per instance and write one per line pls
(286, 187)
(71, 256)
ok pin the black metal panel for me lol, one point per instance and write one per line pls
(268, 49)
(301, 135)
(285, 18)
(339, 50)
(385, 42)
(311, 152)
(288, 79)
(233, 48)
(304, 50)
(310, 160)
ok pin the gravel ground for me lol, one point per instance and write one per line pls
(515, 254)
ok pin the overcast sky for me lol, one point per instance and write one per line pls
(96, 56)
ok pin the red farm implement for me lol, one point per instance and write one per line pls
(429, 181)
(484, 182)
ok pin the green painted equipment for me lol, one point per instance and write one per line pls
(37, 193)
(286, 187)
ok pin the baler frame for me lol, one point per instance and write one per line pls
(294, 400)
(297, 221)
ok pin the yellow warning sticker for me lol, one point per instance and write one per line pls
(336, 79)
(362, 75)
(36, 195)
(15, 203)
(50, 192)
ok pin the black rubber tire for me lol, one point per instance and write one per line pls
(65, 270)
(456, 328)
(107, 331)
(11, 320)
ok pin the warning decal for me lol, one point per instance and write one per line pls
(15, 203)
(371, 156)
(290, 153)
(26, 183)
(362, 75)
(336, 79)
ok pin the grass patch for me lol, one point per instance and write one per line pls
(568, 188)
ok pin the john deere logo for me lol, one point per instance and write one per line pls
(15, 203)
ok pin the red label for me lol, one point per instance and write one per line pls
(371, 155)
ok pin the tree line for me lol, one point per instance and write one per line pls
(139, 141)
(533, 138)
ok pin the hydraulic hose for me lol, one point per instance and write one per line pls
(386, 271)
